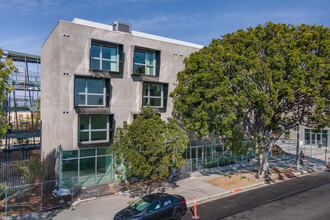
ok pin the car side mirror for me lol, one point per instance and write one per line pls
(148, 211)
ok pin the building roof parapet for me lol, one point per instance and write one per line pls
(136, 33)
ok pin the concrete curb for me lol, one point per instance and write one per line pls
(313, 170)
(226, 193)
(249, 187)
(225, 171)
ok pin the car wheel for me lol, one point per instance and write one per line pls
(177, 215)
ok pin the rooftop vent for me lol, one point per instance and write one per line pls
(122, 26)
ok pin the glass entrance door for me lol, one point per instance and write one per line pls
(200, 157)
(318, 138)
(197, 157)
(193, 158)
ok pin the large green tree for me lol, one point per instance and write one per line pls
(6, 68)
(253, 83)
(149, 146)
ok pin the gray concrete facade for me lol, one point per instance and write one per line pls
(66, 55)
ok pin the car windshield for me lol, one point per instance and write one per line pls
(140, 205)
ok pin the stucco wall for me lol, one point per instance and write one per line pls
(62, 54)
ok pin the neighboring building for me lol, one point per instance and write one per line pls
(95, 77)
(308, 136)
(21, 105)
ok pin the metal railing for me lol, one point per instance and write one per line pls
(318, 151)
(21, 76)
(22, 101)
(24, 127)
(219, 159)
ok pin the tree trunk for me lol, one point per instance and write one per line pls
(148, 188)
(264, 162)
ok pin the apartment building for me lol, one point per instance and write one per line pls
(95, 77)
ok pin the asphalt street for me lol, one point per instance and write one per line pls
(305, 197)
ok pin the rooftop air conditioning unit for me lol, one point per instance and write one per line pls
(121, 26)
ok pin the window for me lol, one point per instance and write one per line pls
(152, 94)
(146, 62)
(93, 128)
(316, 138)
(104, 57)
(307, 137)
(154, 206)
(89, 92)
(86, 167)
(166, 202)
(140, 205)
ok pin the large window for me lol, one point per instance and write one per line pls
(93, 128)
(144, 63)
(152, 94)
(104, 57)
(86, 167)
(316, 138)
(89, 92)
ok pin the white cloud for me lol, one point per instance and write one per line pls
(198, 27)
(201, 28)
(27, 44)
(65, 7)
(41, 7)
(293, 16)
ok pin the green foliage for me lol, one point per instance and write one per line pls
(6, 68)
(149, 146)
(3, 191)
(31, 170)
(252, 82)
(235, 141)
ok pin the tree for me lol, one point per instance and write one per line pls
(149, 146)
(258, 84)
(6, 68)
(30, 170)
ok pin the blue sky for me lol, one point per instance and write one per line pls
(27, 23)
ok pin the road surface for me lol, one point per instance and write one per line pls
(305, 197)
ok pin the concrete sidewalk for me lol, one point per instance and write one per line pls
(107, 207)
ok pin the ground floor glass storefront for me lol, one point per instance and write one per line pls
(90, 167)
(316, 138)
(86, 167)
(213, 153)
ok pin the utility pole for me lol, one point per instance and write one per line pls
(298, 141)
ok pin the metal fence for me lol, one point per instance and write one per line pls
(15, 173)
(218, 159)
(17, 200)
(315, 151)
(12, 157)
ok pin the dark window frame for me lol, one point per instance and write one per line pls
(86, 93)
(156, 60)
(109, 129)
(164, 95)
(120, 55)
